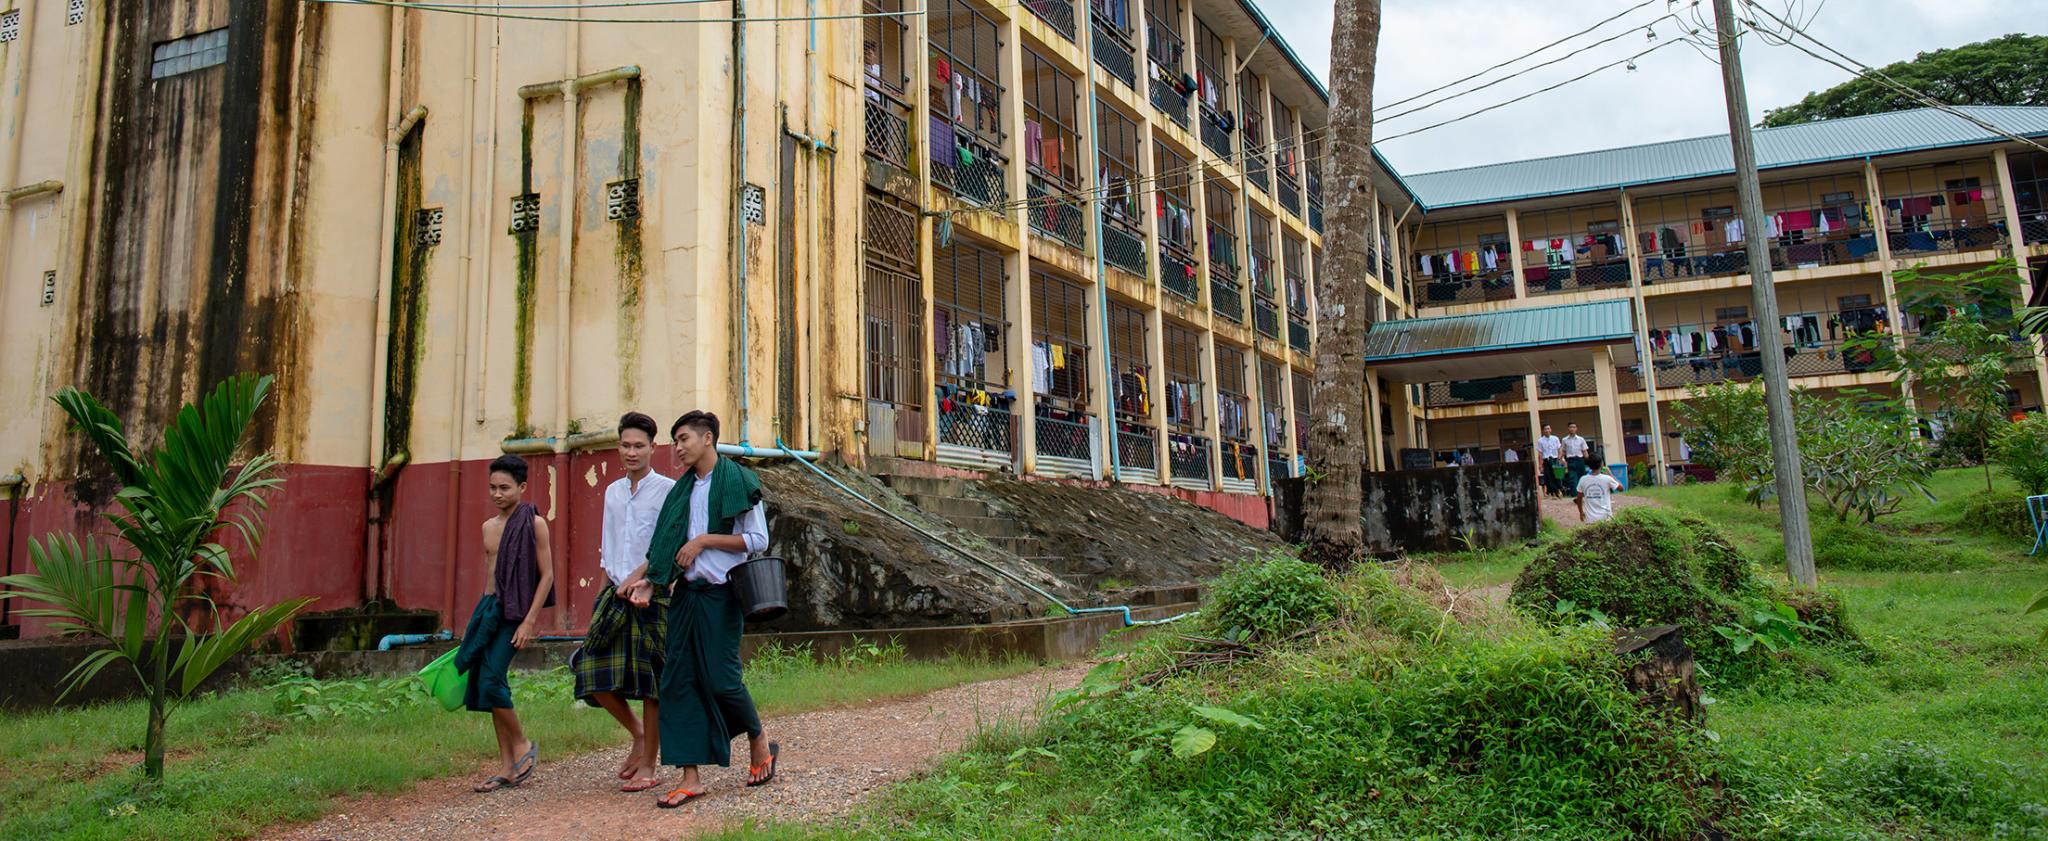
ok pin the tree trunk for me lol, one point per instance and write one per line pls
(1334, 537)
(159, 686)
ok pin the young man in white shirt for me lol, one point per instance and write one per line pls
(1575, 450)
(1549, 453)
(625, 664)
(1596, 496)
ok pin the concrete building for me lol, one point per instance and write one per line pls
(1064, 239)
(1595, 288)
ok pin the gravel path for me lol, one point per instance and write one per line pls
(1564, 511)
(833, 760)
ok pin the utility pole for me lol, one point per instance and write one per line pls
(1791, 478)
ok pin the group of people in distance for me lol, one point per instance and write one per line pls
(1562, 465)
(664, 631)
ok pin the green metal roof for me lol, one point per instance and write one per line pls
(1850, 138)
(1494, 332)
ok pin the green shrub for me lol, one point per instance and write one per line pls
(1270, 598)
(2021, 450)
(1997, 513)
(1863, 548)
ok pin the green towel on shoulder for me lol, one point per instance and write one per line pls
(734, 491)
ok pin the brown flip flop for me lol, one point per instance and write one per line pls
(639, 784)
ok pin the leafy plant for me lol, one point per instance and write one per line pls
(175, 502)
(2021, 450)
(1725, 425)
(1858, 455)
(1271, 597)
(304, 698)
(1775, 628)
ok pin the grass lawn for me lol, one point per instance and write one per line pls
(238, 764)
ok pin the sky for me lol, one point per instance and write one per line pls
(1674, 92)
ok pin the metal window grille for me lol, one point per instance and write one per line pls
(1303, 389)
(895, 303)
(1253, 138)
(885, 66)
(1174, 205)
(1123, 246)
(1296, 274)
(1166, 59)
(1112, 26)
(184, 55)
(1233, 407)
(1052, 151)
(968, 290)
(1456, 256)
(967, 132)
(1313, 164)
(1274, 406)
(1186, 393)
(1259, 256)
(1212, 89)
(1286, 157)
(1128, 335)
(1059, 317)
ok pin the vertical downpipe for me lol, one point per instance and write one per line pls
(1109, 430)
(394, 59)
(451, 534)
(17, 57)
(565, 212)
(736, 241)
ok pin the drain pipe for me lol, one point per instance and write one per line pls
(391, 641)
(1109, 430)
(1125, 610)
(17, 56)
(380, 302)
(736, 241)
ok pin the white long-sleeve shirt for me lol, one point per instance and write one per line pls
(712, 565)
(630, 514)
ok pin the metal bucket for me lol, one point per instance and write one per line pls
(763, 588)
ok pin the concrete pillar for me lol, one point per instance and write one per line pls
(1878, 225)
(2017, 240)
(1515, 254)
(927, 226)
(1610, 409)
(1404, 419)
(1375, 436)
(1017, 297)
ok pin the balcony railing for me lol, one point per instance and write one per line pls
(1189, 457)
(1226, 297)
(1583, 273)
(1298, 334)
(1114, 51)
(1255, 169)
(1265, 317)
(1240, 461)
(1315, 203)
(1177, 274)
(1058, 14)
(1056, 213)
(1168, 99)
(888, 128)
(1214, 134)
(1058, 438)
(1563, 383)
(979, 427)
(2034, 229)
(1123, 247)
(973, 170)
(1290, 195)
(1473, 392)
(1279, 466)
(1137, 446)
(1945, 236)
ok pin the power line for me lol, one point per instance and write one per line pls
(480, 11)
(1455, 83)
(1650, 28)
(1866, 71)
(1630, 61)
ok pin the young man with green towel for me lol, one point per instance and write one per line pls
(620, 661)
(520, 583)
(710, 522)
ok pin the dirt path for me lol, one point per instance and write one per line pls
(1564, 511)
(832, 759)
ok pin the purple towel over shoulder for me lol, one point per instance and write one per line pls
(518, 570)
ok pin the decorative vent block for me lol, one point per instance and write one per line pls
(74, 13)
(526, 213)
(622, 200)
(754, 204)
(426, 226)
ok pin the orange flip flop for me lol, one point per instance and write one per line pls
(774, 754)
(668, 800)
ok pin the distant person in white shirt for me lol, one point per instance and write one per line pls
(1549, 454)
(1575, 449)
(624, 666)
(1509, 455)
(1596, 496)
(1464, 458)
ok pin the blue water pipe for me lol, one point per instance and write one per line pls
(1125, 610)
(391, 641)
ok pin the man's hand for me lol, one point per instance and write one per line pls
(524, 636)
(688, 554)
(640, 593)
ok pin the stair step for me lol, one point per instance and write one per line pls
(950, 507)
(990, 526)
(915, 485)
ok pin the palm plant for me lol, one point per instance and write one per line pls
(135, 587)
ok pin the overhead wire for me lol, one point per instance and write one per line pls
(1866, 71)
(496, 11)
(1469, 115)
(1650, 28)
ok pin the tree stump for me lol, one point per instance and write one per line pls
(1660, 669)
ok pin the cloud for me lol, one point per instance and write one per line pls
(1673, 93)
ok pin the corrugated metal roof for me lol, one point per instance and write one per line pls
(1677, 160)
(1491, 332)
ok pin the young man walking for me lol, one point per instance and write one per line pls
(712, 520)
(620, 661)
(1575, 451)
(1550, 455)
(520, 581)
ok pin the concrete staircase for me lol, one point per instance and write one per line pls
(948, 499)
